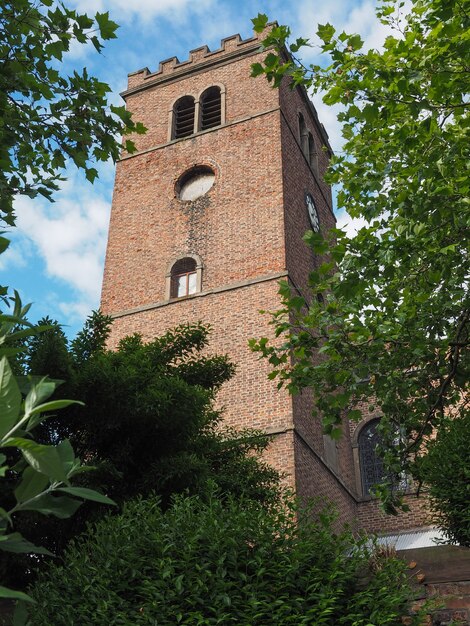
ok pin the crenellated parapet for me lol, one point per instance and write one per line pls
(230, 47)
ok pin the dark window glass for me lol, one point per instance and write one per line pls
(372, 469)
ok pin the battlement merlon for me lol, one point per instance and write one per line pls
(230, 47)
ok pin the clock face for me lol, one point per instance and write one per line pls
(312, 213)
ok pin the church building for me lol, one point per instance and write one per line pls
(207, 216)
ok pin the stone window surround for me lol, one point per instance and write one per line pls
(355, 449)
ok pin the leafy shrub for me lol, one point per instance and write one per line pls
(446, 471)
(220, 562)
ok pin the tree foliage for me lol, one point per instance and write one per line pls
(447, 471)
(221, 562)
(34, 477)
(148, 418)
(393, 329)
(148, 423)
(49, 117)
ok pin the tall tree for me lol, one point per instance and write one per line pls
(393, 329)
(49, 117)
(34, 477)
(147, 424)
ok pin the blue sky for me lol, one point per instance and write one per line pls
(57, 252)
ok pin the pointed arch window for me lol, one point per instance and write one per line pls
(312, 154)
(371, 465)
(303, 135)
(183, 117)
(211, 108)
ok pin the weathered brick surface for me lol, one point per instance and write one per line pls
(250, 398)
(248, 232)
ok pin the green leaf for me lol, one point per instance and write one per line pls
(14, 595)
(10, 398)
(256, 69)
(60, 507)
(260, 22)
(38, 392)
(87, 494)
(4, 243)
(91, 174)
(107, 27)
(32, 484)
(19, 545)
(20, 615)
(355, 415)
(53, 405)
(355, 42)
(67, 456)
(326, 32)
(44, 459)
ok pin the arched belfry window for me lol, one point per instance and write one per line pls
(184, 277)
(312, 154)
(183, 117)
(303, 135)
(210, 108)
(371, 465)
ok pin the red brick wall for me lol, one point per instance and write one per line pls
(237, 229)
(248, 232)
(250, 398)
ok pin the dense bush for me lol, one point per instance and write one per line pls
(446, 470)
(220, 562)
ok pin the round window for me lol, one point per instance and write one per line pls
(195, 183)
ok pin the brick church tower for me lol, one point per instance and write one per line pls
(208, 215)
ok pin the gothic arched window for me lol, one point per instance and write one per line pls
(183, 117)
(211, 108)
(303, 135)
(371, 465)
(312, 154)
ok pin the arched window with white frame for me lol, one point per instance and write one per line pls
(184, 277)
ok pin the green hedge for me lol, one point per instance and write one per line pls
(220, 562)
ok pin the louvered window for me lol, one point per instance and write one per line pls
(211, 108)
(312, 154)
(183, 117)
(183, 278)
(303, 135)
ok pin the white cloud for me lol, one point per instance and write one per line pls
(70, 237)
(350, 225)
(124, 11)
(17, 254)
(76, 311)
